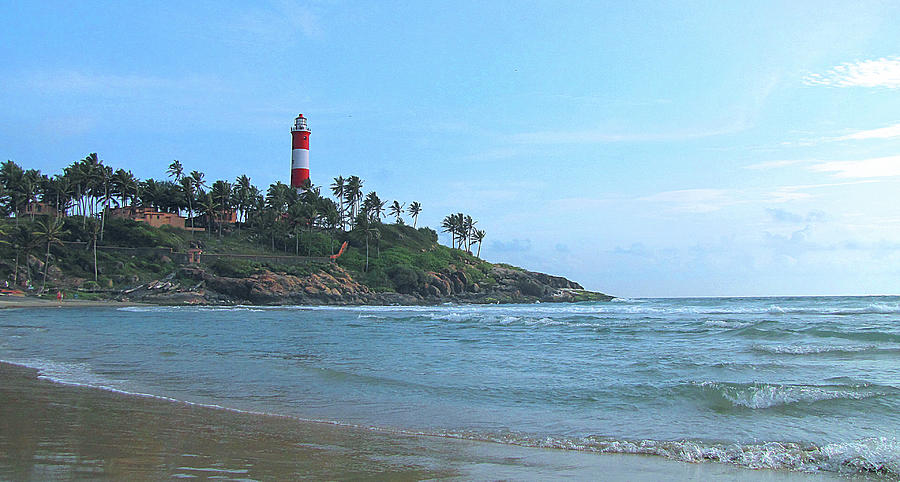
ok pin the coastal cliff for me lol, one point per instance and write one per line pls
(399, 265)
(331, 284)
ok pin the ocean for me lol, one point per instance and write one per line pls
(795, 383)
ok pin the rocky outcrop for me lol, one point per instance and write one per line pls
(332, 285)
(324, 287)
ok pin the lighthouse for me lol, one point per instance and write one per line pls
(299, 153)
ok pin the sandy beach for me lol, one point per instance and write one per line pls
(33, 302)
(54, 431)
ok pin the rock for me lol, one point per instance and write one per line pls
(333, 285)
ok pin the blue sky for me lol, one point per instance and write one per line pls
(641, 148)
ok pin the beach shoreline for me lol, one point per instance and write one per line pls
(7, 302)
(54, 430)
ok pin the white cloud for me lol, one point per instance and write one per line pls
(867, 168)
(785, 194)
(773, 164)
(880, 133)
(883, 72)
(691, 200)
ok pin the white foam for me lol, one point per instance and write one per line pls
(813, 349)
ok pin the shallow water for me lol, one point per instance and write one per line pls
(796, 383)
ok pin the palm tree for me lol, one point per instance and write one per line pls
(90, 171)
(105, 174)
(243, 190)
(221, 191)
(448, 226)
(152, 194)
(93, 228)
(337, 189)
(353, 194)
(414, 209)
(50, 230)
(12, 178)
(199, 183)
(373, 206)
(396, 210)
(23, 242)
(187, 186)
(208, 206)
(125, 185)
(30, 188)
(176, 170)
(467, 228)
(478, 237)
(58, 192)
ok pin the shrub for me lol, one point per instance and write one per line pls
(233, 268)
(406, 279)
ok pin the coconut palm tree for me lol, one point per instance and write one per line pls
(478, 237)
(12, 179)
(221, 191)
(176, 170)
(50, 230)
(373, 206)
(57, 192)
(199, 183)
(208, 206)
(105, 191)
(125, 185)
(396, 210)
(414, 209)
(30, 187)
(243, 190)
(280, 196)
(467, 229)
(23, 241)
(188, 187)
(94, 228)
(337, 189)
(449, 226)
(152, 194)
(353, 194)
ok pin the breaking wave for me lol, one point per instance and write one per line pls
(824, 349)
(876, 455)
(763, 396)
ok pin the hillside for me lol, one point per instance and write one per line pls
(138, 262)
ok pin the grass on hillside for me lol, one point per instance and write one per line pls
(399, 256)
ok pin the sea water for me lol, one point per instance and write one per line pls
(805, 383)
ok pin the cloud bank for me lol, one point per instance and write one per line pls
(883, 72)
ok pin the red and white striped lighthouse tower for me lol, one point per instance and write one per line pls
(300, 153)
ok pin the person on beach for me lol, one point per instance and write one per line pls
(59, 296)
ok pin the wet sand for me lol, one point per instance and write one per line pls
(32, 302)
(54, 431)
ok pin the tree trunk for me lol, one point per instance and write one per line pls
(46, 269)
(95, 257)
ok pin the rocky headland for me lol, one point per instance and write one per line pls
(330, 284)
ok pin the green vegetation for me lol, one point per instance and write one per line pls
(58, 231)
